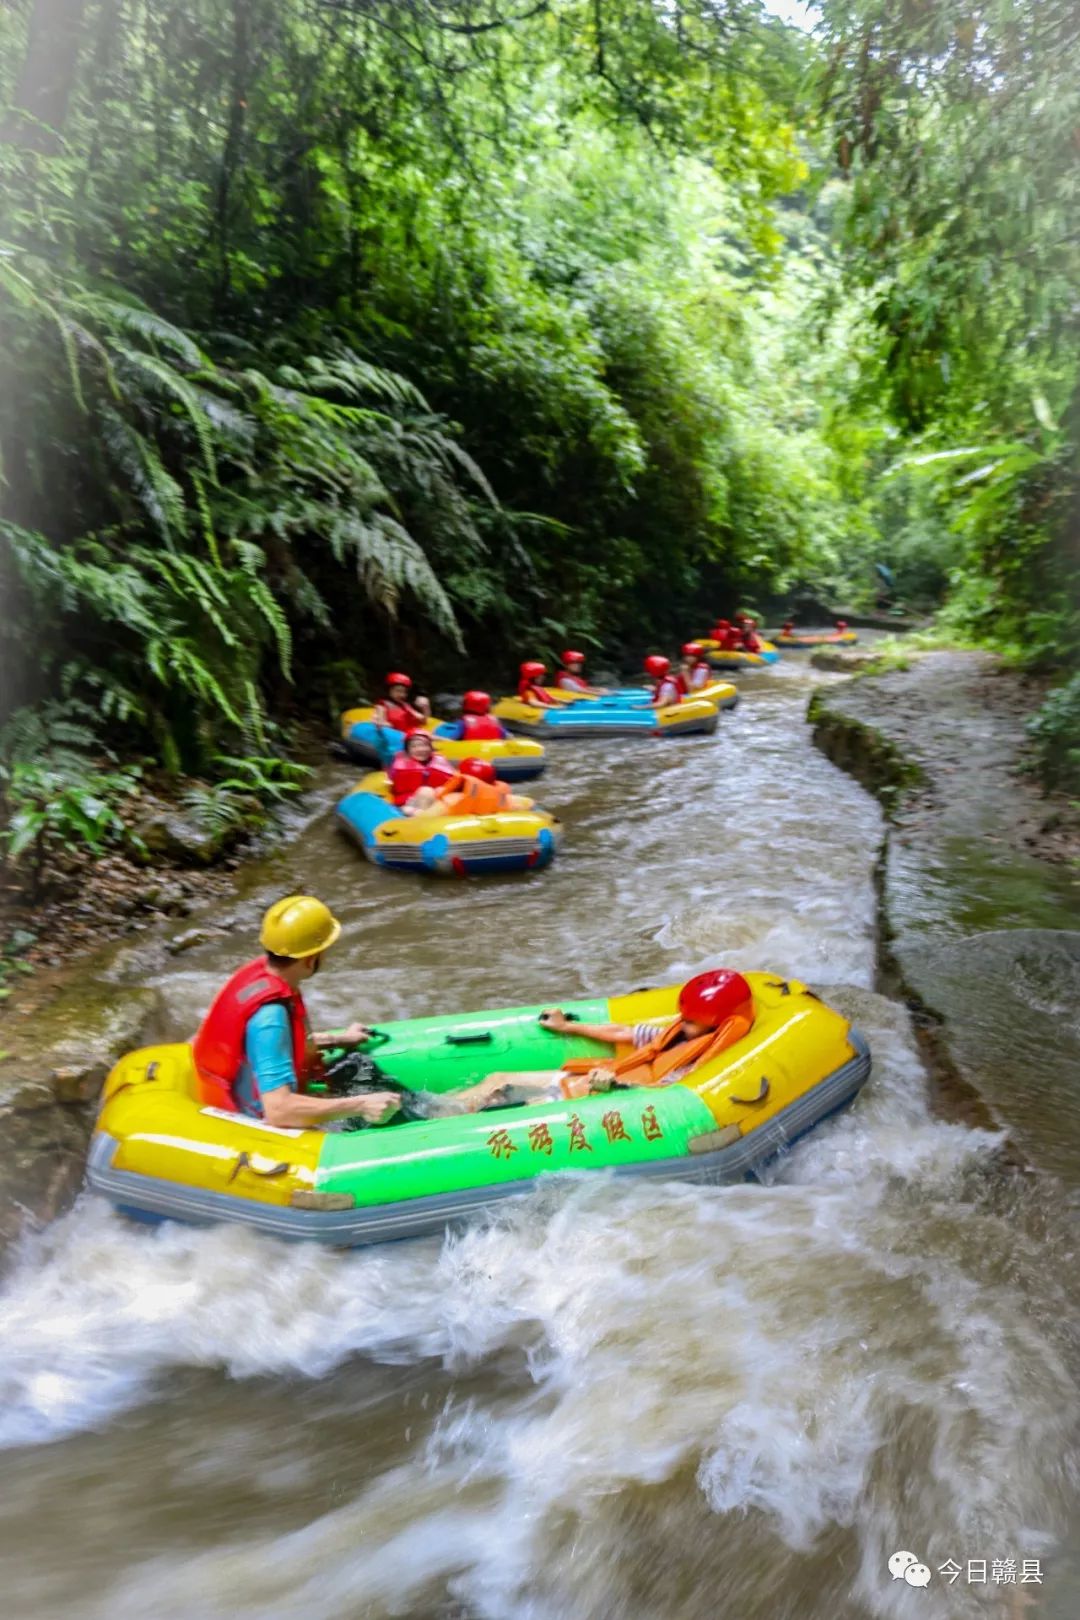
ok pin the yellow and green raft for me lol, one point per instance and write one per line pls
(158, 1153)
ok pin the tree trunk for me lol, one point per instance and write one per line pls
(43, 91)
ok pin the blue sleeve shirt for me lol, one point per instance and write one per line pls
(268, 1058)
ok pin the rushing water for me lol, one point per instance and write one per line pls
(646, 1402)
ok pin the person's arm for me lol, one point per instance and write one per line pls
(292, 1110)
(268, 1050)
(354, 1034)
(615, 1034)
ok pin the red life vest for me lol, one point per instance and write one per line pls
(666, 691)
(218, 1048)
(407, 775)
(751, 641)
(403, 717)
(570, 683)
(481, 728)
(530, 693)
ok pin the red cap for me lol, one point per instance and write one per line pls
(396, 678)
(482, 769)
(656, 664)
(476, 702)
(712, 997)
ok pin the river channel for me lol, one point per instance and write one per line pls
(651, 1402)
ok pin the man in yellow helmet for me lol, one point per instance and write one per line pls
(255, 1050)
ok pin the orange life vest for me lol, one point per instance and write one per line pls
(468, 796)
(218, 1048)
(650, 1065)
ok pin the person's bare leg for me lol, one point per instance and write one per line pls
(473, 1098)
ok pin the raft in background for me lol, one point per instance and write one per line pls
(721, 693)
(451, 846)
(157, 1153)
(813, 638)
(579, 715)
(737, 657)
(514, 759)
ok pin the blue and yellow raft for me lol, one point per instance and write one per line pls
(450, 846)
(516, 759)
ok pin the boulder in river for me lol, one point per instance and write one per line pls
(177, 835)
(50, 1076)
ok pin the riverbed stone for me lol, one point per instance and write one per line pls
(176, 835)
(52, 1072)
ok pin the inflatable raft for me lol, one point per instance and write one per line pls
(721, 693)
(737, 657)
(514, 758)
(578, 715)
(157, 1153)
(453, 846)
(815, 638)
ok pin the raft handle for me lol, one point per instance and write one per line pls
(152, 1069)
(243, 1162)
(750, 1102)
(479, 1039)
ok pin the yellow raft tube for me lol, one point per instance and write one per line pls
(157, 1152)
(579, 715)
(515, 759)
(452, 846)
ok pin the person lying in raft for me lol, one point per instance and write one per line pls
(474, 790)
(695, 669)
(417, 768)
(667, 688)
(530, 686)
(255, 1051)
(716, 1009)
(396, 711)
(477, 723)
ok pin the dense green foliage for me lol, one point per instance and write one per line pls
(440, 331)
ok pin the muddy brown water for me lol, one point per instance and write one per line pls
(651, 1402)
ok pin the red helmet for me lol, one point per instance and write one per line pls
(692, 649)
(476, 703)
(788, 626)
(723, 624)
(841, 624)
(657, 665)
(396, 678)
(532, 671)
(710, 998)
(572, 657)
(482, 769)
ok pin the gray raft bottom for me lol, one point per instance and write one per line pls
(147, 1198)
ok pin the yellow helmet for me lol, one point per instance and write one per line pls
(298, 926)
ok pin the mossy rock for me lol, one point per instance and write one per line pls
(865, 753)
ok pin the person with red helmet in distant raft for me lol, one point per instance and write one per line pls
(716, 1009)
(255, 1052)
(530, 685)
(667, 688)
(477, 723)
(571, 677)
(695, 669)
(396, 710)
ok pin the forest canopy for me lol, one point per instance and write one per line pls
(336, 329)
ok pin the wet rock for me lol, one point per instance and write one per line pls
(874, 759)
(188, 940)
(52, 1073)
(176, 835)
(841, 660)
